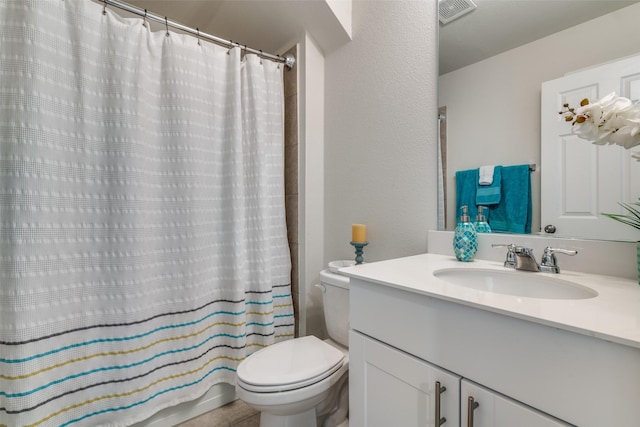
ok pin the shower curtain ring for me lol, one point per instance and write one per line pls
(198, 36)
(144, 19)
(104, 7)
(230, 47)
(260, 56)
(166, 24)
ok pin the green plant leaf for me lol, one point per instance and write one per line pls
(632, 219)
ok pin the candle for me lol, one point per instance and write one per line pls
(358, 233)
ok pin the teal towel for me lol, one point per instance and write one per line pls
(490, 194)
(466, 182)
(513, 213)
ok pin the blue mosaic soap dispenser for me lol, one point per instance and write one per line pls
(465, 238)
(482, 226)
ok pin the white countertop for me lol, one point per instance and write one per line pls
(613, 315)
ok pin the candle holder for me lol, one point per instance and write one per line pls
(359, 250)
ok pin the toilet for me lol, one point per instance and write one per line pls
(303, 382)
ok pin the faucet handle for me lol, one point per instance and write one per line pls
(510, 246)
(552, 251)
(510, 262)
(549, 263)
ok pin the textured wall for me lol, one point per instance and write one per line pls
(380, 131)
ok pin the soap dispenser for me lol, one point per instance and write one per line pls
(465, 239)
(481, 224)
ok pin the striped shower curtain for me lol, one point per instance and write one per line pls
(143, 249)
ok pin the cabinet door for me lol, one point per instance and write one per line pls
(392, 388)
(494, 410)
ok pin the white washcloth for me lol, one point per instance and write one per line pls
(486, 175)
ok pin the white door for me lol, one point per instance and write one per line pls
(480, 407)
(388, 387)
(580, 180)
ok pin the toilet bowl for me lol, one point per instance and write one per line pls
(297, 382)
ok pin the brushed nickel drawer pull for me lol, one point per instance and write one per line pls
(439, 390)
(471, 406)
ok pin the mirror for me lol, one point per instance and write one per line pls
(490, 81)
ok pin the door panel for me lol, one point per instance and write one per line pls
(581, 180)
(399, 389)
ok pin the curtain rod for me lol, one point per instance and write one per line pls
(288, 60)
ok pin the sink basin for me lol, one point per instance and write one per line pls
(517, 283)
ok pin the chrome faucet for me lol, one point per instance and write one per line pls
(549, 263)
(521, 258)
(525, 259)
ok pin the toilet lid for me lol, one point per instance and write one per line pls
(290, 364)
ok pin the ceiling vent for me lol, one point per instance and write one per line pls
(454, 9)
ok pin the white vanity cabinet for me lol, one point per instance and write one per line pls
(392, 388)
(404, 337)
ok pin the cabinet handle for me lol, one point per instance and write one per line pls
(439, 390)
(471, 406)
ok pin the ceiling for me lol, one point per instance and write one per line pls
(496, 26)
(268, 25)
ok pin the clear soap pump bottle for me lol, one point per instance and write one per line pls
(465, 238)
(482, 226)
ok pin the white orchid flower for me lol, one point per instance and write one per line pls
(610, 120)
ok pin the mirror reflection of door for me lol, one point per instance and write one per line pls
(581, 180)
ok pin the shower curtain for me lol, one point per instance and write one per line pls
(143, 248)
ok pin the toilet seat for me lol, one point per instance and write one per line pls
(289, 365)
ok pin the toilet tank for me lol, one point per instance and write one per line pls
(335, 302)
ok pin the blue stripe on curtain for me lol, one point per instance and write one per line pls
(142, 228)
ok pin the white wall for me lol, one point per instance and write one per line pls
(380, 131)
(342, 9)
(493, 106)
(311, 183)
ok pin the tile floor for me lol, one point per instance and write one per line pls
(234, 414)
